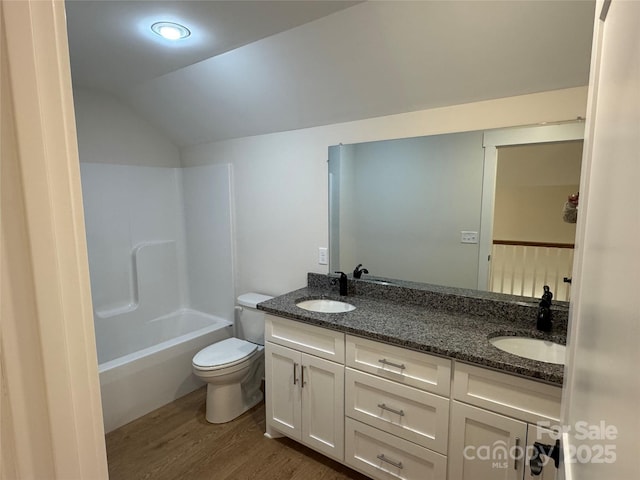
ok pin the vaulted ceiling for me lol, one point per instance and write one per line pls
(255, 67)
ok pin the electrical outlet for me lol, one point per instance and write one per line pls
(468, 237)
(323, 256)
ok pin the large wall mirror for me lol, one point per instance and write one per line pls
(478, 210)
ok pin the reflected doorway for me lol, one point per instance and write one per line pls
(536, 186)
(532, 245)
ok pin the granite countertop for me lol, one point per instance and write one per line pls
(461, 334)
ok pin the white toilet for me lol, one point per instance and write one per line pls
(234, 368)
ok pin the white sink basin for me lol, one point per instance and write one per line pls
(324, 305)
(532, 348)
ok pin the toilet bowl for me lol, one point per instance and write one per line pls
(234, 368)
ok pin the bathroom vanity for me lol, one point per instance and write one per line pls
(407, 385)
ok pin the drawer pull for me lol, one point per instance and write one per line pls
(392, 410)
(390, 462)
(384, 361)
(295, 380)
(515, 460)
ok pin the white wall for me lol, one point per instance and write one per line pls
(532, 186)
(411, 198)
(280, 180)
(110, 132)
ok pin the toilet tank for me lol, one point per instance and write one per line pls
(250, 322)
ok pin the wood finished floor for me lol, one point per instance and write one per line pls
(176, 442)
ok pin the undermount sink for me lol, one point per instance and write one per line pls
(325, 305)
(532, 348)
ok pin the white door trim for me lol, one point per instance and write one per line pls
(602, 385)
(47, 327)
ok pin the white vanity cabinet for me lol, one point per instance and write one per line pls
(304, 377)
(494, 413)
(396, 427)
(394, 413)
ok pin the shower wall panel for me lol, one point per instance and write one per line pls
(208, 226)
(127, 207)
(160, 233)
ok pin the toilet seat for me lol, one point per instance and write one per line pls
(224, 354)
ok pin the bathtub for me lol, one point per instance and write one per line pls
(150, 365)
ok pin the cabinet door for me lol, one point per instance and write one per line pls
(482, 445)
(547, 437)
(282, 399)
(322, 388)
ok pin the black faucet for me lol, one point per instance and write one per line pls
(343, 283)
(544, 311)
(357, 273)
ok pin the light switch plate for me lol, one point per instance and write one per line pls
(468, 237)
(323, 256)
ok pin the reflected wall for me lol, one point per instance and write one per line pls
(402, 207)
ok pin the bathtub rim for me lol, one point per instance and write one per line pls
(111, 365)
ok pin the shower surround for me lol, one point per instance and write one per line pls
(161, 264)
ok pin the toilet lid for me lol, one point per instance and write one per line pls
(227, 351)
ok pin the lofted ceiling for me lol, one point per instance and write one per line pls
(256, 67)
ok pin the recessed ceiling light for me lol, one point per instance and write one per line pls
(170, 31)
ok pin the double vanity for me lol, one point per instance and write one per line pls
(414, 381)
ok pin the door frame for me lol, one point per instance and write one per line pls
(51, 406)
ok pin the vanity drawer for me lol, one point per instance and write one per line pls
(517, 397)
(420, 370)
(317, 341)
(383, 456)
(407, 412)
